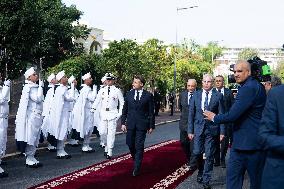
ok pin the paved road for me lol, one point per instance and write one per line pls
(22, 177)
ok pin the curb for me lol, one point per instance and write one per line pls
(117, 133)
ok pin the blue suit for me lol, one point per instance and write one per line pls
(246, 153)
(205, 132)
(138, 116)
(272, 137)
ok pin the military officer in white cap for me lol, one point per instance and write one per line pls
(60, 113)
(29, 117)
(73, 135)
(4, 113)
(83, 120)
(109, 102)
(47, 104)
(97, 117)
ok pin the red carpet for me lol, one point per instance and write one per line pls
(163, 167)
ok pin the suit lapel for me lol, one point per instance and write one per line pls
(213, 97)
(142, 95)
(186, 97)
(199, 98)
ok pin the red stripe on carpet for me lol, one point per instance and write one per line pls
(163, 167)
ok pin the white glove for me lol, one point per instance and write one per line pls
(7, 82)
(40, 83)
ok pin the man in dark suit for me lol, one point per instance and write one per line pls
(137, 119)
(271, 134)
(246, 153)
(228, 100)
(184, 100)
(205, 132)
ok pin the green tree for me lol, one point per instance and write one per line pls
(123, 59)
(279, 71)
(210, 52)
(35, 29)
(81, 65)
(247, 54)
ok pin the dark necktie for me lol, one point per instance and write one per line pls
(189, 97)
(206, 101)
(137, 96)
(108, 90)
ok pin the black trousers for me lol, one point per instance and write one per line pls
(135, 140)
(186, 144)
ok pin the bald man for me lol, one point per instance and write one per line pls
(246, 153)
(185, 98)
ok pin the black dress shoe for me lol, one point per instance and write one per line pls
(192, 168)
(64, 157)
(36, 165)
(207, 186)
(199, 179)
(108, 157)
(223, 164)
(3, 174)
(216, 164)
(89, 151)
(135, 173)
(3, 163)
(52, 150)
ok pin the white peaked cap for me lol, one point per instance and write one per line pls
(29, 72)
(103, 79)
(60, 75)
(86, 76)
(51, 77)
(71, 79)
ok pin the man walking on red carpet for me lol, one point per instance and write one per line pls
(137, 119)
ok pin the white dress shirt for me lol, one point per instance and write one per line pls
(204, 96)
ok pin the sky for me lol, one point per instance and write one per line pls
(255, 23)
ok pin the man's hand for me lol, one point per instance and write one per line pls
(190, 136)
(150, 131)
(123, 128)
(209, 115)
(222, 137)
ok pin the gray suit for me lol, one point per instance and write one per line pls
(205, 132)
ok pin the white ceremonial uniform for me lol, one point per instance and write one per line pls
(47, 104)
(60, 114)
(107, 102)
(29, 119)
(83, 121)
(4, 113)
(97, 123)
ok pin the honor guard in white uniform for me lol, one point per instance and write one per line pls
(73, 135)
(29, 117)
(83, 120)
(47, 104)
(109, 102)
(97, 117)
(60, 114)
(4, 113)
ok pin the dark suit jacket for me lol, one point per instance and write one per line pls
(228, 100)
(138, 114)
(246, 114)
(196, 121)
(183, 106)
(271, 134)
